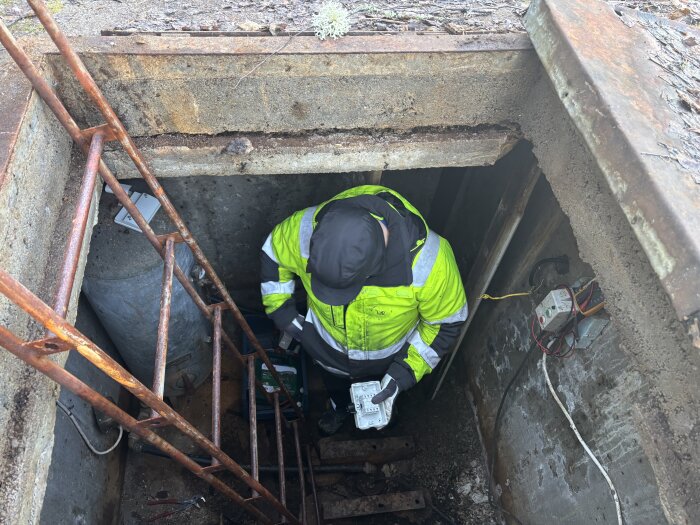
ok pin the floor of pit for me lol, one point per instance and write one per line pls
(448, 466)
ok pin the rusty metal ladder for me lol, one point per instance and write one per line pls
(61, 336)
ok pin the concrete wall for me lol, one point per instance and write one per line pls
(164, 85)
(543, 473)
(651, 336)
(84, 488)
(634, 393)
(36, 196)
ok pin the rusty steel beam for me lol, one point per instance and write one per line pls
(300, 465)
(52, 370)
(216, 385)
(78, 226)
(382, 43)
(253, 420)
(312, 480)
(377, 451)
(48, 345)
(368, 505)
(42, 313)
(51, 99)
(93, 91)
(280, 450)
(166, 294)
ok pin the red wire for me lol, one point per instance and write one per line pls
(532, 331)
(582, 307)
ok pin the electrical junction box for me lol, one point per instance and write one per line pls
(367, 414)
(147, 205)
(554, 310)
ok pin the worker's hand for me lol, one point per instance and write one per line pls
(387, 395)
(296, 327)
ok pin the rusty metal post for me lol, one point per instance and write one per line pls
(13, 344)
(216, 385)
(280, 450)
(300, 465)
(90, 351)
(253, 420)
(121, 134)
(312, 480)
(78, 226)
(166, 294)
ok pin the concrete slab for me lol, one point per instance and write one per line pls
(339, 152)
(161, 85)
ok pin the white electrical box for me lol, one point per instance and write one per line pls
(147, 205)
(554, 310)
(367, 414)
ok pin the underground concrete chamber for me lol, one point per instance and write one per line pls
(458, 125)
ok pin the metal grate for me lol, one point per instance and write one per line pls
(61, 336)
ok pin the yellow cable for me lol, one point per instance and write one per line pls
(490, 298)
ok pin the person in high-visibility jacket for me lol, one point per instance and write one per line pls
(385, 297)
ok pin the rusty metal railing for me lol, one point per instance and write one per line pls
(61, 336)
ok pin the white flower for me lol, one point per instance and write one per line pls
(332, 20)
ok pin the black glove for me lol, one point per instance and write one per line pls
(391, 387)
(386, 396)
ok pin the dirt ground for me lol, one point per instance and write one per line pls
(89, 17)
(448, 465)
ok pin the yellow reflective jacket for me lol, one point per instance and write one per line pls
(403, 324)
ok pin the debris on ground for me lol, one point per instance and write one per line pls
(429, 16)
(674, 51)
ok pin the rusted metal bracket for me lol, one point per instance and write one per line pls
(104, 129)
(175, 236)
(220, 306)
(156, 421)
(368, 505)
(213, 468)
(48, 345)
(375, 451)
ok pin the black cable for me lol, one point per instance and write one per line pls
(561, 265)
(496, 430)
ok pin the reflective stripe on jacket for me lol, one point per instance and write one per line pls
(405, 328)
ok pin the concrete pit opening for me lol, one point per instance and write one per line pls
(488, 141)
